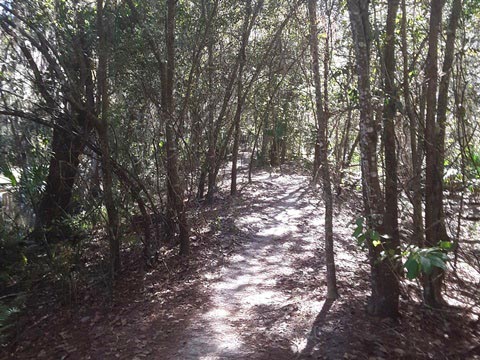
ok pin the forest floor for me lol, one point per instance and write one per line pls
(254, 289)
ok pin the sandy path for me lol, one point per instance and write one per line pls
(251, 299)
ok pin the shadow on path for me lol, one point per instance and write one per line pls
(313, 337)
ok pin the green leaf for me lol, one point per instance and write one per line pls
(413, 268)
(358, 231)
(374, 235)
(426, 264)
(9, 175)
(361, 240)
(359, 221)
(438, 262)
(445, 245)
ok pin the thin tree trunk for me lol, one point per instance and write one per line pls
(240, 97)
(112, 222)
(175, 192)
(459, 88)
(433, 213)
(442, 106)
(324, 170)
(254, 147)
(415, 150)
(392, 243)
(212, 140)
(213, 157)
(265, 138)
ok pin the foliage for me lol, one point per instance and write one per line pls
(7, 312)
(365, 235)
(12, 272)
(418, 260)
(423, 260)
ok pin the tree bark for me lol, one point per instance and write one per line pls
(391, 244)
(175, 192)
(55, 203)
(324, 169)
(384, 298)
(433, 214)
(415, 149)
(102, 130)
(435, 228)
(240, 96)
(211, 155)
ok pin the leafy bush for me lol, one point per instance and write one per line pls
(423, 260)
(419, 260)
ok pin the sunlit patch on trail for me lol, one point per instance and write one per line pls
(298, 345)
(276, 231)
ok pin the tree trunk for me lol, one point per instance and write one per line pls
(175, 192)
(434, 226)
(240, 96)
(212, 141)
(215, 159)
(415, 150)
(112, 222)
(55, 204)
(392, 243)
(384, 299)
(322, 140)
(254, 147)
(435, 141)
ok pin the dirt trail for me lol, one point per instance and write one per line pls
(251, 300)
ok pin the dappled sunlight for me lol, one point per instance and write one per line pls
(298, 344)
(261, 286)
(260, 292)
(272, 287)
(276, 231)
(264, 296)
